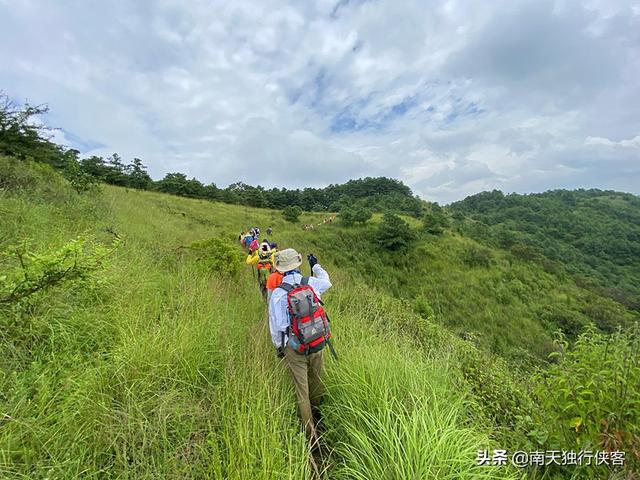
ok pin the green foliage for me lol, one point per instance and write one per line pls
(434, 220)
(593, 233)
(217, 256)
(167, 371)
(589, 398)
(292, 213)
(351, 215)
(394, 233)
(502, 396)
(32, 179)
(423, 308)
(475, 256)
(29, 272)
(22, 136)
(80, 180)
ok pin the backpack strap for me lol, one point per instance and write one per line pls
(287, 287)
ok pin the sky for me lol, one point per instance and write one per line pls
(451, 97)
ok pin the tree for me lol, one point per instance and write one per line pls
(212, 192)
(23, 135)
(116, 171)
(174, 183)
(394, 233)
(95, 166)
(291, 213)
(434, 220)
(138, 176)
(352, 215)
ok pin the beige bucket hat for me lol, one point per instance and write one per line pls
(287, 259)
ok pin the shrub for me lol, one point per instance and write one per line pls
(394, 233)
(590, 398)
(80, 180)
(527, 252)
(217, 256)
(352, 215)
(34, 272)
(291, 213)
(423, 308)
(434, 221)
(475, 256)
(37, 180)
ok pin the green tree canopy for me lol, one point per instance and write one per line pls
(292, 213)
(394, 233)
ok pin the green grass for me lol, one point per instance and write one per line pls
(163, 370)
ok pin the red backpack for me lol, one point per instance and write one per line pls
(308, 322)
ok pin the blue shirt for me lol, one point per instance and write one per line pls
(278, 309)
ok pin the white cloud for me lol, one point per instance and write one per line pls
(454, 98)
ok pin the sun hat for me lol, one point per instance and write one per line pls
(287, 259)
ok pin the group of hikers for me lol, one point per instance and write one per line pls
(309, 226)
(298, 323)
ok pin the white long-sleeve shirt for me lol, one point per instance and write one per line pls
(278, 314)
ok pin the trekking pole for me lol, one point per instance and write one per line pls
(329, 344)
(333, 352)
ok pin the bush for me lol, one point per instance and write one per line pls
(394, 233)
(352, 215)
(29, 272)
(527, 252)
(217, 256)
(37, 180)
(423, 308)
(590, 398)
(435, 220)
(291, 213)
(474, 256)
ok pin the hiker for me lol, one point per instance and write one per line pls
(263, 256)
(263, 259)
(269, 230)
(248, 239)
(299, 296)
(274, 281)
(253, 246)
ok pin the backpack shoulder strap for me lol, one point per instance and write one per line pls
(287, 287)
(304, 281)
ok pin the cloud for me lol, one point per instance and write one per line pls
(281, 158)
(462, 96)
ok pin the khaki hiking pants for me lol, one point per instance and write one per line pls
(306, 371)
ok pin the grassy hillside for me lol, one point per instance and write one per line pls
(593, 233)
(145, 360)
(153, 367)
(506, 304)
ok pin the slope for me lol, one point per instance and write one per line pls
(592, 233)
(149, 366)
(503, 303)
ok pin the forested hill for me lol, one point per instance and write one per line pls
(593, 234)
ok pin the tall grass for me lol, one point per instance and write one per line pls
(166, 372)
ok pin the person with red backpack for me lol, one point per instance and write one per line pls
(300, 330)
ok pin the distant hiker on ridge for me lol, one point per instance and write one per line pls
(300, 330)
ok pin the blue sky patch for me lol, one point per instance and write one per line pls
(81, 144)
